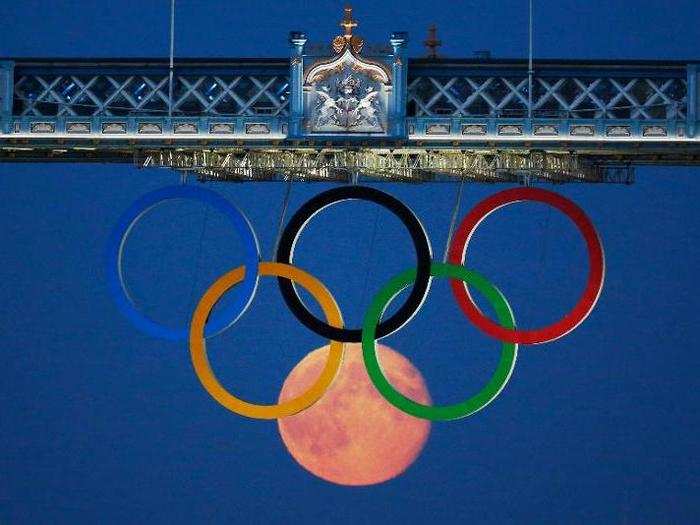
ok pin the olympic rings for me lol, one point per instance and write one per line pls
(373, 328)
(198, 348)
(509, 351)
(115, 249)
(596, 263)
(285, 253)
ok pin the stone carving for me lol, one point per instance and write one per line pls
(510, 129)
(474, 129)
(221, 127)
(347, 93)
(149, 127)
(42, 127)
(618, 131)
(437, 129)
(78, 127)
(257, 129)
(185, 127)
(654, 131)
(114, 127)
(546, 129)
(586, 131)
(349, 104)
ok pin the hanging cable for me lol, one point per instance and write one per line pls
(197, 262)
(453, 220)
(539, 272)
(283, 213)
(172, 58)
(530, 70)
(367, 264)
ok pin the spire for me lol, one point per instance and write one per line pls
(347, 39)
(432, 43)
(347, 23)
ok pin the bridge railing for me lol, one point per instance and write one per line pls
(450, 99)
(574, 99)
(85, 97)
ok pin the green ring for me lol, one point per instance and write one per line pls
(509, 351)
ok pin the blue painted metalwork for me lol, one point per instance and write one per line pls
(345, 92)
(434, 101)
(347, 110)
(398, 42)
(693, 99)
(6, 94)
(297, 41)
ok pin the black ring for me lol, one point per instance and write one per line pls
(285, 252)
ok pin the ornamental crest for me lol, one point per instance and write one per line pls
(347, 93)
(347, 104)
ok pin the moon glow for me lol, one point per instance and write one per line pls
(352, 435)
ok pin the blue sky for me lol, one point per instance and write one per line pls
(101, 424)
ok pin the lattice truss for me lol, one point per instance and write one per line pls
(120, 95)
(389, 165)
(555, 97)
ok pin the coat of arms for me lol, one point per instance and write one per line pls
(347, 94)
(350, 105)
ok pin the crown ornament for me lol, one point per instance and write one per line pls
(347, 39)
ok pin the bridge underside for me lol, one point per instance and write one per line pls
(591, 162)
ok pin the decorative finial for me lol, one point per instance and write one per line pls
(432, 43)
(347, 23)
(347, 39)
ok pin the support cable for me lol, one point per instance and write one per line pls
(172, 59)
(544, 249)
(283, 213)
(369, 255)
(197, 261)
(530, 70)
(453, 221)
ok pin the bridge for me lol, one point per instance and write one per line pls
(350, 110)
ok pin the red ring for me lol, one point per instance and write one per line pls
(596, 265)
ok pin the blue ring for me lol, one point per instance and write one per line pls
(243, 294)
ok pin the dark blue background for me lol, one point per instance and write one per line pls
(100, 424)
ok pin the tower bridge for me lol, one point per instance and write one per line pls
(346, 110)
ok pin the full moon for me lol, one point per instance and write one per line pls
(352, 435)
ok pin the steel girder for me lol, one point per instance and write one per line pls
(407, 165)
(568, 97)
(78, 94)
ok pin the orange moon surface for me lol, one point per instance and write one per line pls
(352, 435)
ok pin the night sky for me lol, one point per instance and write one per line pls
(102, 424)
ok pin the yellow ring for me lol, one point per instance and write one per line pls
(198, 345)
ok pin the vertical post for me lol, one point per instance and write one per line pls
(172, 59)
(693, 113)
(529, 64)
(397, 115)
(297, 41)
(7, 84)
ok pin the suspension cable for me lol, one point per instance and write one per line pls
(369, 255)
(197, 261)
(453, 221)
(172, 58)
(283, 213)
(544, 248)
(530, 70)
